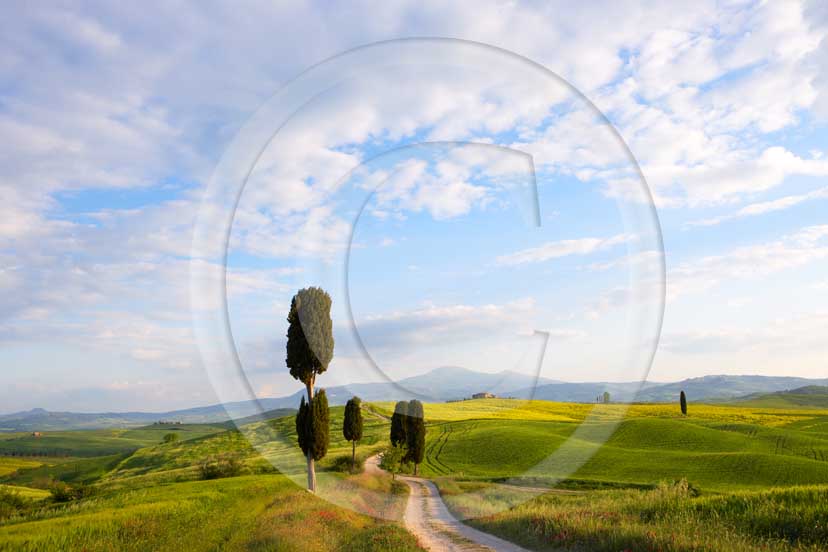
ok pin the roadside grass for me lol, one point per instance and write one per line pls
(241, 513)
(667, 518)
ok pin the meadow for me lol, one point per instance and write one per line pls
(722, 478)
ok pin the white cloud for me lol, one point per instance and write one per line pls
(760, 208)
(433, 326)
(782, 336)
(563, 248)
(804, 246)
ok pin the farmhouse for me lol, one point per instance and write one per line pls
(36, 434)
(484, 396)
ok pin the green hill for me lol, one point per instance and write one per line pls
(717, 449)
(97, 442)
(148, 494)
(809, 396)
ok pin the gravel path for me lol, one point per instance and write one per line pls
(428, 518)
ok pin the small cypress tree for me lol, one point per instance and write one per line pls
(683, 402)
(302, 431)
(320, 416)
(398, 423)
(312, 422)
(415, 433)
(352, 426)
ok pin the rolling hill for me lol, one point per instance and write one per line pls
(441, 384)
(809, 396)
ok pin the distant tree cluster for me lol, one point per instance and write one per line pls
(603, 398)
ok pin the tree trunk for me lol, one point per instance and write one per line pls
(353, 456)
(311, 466)
(415, 469)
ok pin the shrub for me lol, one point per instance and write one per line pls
(61, 492)
(217, 467)
(11, 502)
(343, 464)
(399, 488)
(171, 437)
(392, 459)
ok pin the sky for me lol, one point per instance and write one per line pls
(520, 211)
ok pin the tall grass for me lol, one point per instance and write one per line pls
(668, 518)
(235, 514)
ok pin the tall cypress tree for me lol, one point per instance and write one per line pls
(352, 426)
(310, 346)
(683, 403)
(415, 433)
(398, 423)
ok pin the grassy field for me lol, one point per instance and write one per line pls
(716, 447)
(758, 478)
(10, 464)
(26, 492)
(240, 513)
(152, 498)
(669, 517)
(96, 442)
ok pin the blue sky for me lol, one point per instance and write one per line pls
(114, 121)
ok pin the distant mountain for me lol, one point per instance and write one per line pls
(441, 384)
(810, 396)
(586, 392)
(723, 387)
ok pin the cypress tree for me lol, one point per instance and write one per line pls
(302, 426)
(415, 433)
(352, 426)
(312, 422)
(320, 416)
(398, 424)
(683, 402)
(310, 346)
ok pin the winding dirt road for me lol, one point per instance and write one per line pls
(428, 518)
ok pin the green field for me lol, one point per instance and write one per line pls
(715, 447)
(670, 517)
(240, 513)
(758, 478)
(96, 442)
(10, 464)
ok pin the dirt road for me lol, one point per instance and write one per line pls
(428, 518)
